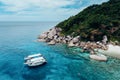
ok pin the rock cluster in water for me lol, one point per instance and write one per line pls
(53, 36)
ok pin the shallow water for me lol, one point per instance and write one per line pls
(17, 40)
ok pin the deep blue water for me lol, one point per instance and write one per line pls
(17, 40)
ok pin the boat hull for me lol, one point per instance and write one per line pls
(34, 66)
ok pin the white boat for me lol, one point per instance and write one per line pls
(34, 60)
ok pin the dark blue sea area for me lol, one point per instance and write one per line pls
(18, 40)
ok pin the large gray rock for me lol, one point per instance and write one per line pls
(76, 39)
(59, 39)
(69, 38)
(55, 37)
(58, 29)
(105, 39)
(77, 44)
(43, 36)
(71, 44)
(52, 36)
(52, 33)
(52, 42)
(64, 41)
(98, 57)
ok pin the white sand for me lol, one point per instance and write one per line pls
(113, 51)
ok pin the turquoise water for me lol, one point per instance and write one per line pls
(17, 40)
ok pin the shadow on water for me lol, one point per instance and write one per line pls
(34, 73)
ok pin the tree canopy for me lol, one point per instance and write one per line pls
(94, 22)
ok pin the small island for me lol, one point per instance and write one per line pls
(95, 29)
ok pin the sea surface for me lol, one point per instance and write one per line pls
(18, 39)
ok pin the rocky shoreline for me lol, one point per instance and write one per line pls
(53, 37)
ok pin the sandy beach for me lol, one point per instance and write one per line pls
(113, 51)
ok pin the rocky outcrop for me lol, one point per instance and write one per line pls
(53, 36)
(52, 32)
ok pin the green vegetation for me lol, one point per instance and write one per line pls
(94, 22)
